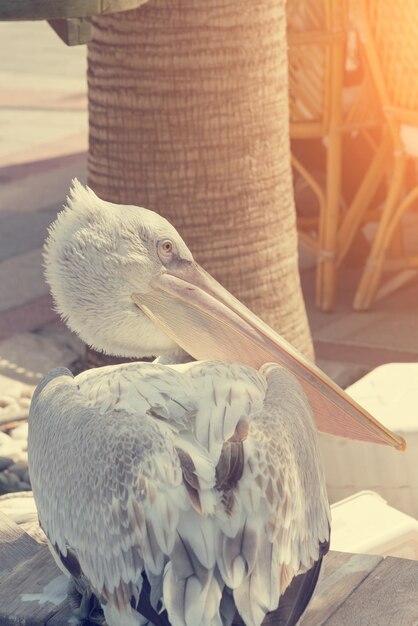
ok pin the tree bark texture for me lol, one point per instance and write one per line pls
(188, 105)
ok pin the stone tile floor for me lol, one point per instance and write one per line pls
(349, 343)
(43, 143)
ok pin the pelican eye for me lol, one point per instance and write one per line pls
(165, 248)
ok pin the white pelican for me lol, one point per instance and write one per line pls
(177, 492)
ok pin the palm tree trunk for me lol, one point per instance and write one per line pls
(188, 104)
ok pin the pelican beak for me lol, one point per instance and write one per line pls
(204, 319)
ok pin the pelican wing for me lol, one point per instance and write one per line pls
(108, 479)
(280, 507)
(227, 395)
(272, 514)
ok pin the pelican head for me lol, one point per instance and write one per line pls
(125, 281)
(99, 259)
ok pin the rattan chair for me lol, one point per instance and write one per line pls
(389, 35)
(317, 37)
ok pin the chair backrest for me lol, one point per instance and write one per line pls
(316, 36)
(389, 33)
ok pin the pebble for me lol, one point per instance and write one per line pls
(20, 469)
(15, 407)
(5, 462)
(20, 432)
(14, 473)
(9, 447)
(21, 508)
(23, 485)
(8, 482)
(17, 504)
(39, 352)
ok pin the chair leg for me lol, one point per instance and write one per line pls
(395, 240)
(395, 222)
(305, 238)
(326, 276)
(361, 201)
(326, 273)
(310, 180)
(370, 278)
(396, 245)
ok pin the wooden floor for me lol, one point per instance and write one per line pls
(354, 590)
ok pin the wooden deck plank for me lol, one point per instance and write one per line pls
(387, 597)
(16, 546)
(33, 592)
(353, 590)
(341, 574)
(64, 616)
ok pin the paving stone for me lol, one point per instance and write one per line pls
(62, 337)
(34, 48)
(387, 332)
(38, 64)
(33, 130)
(374, 329)
(18, 97)
(43, 189)
(21, 279)
(19, 79)
(403, 299)
(29, 356)
(30, 316)
(318, 319)
(344, 374)
(22, 232)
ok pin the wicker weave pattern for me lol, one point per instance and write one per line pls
(306, 83)
(394, 26)
(309, 15)
(307, 23)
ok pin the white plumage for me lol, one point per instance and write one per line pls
(109, 478)
(177, 492)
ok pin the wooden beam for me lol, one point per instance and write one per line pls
(34, 592)
(342, 572)
(353, 589)
(50, 9)
(16, 546)
(72, 31)
(387, 596)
